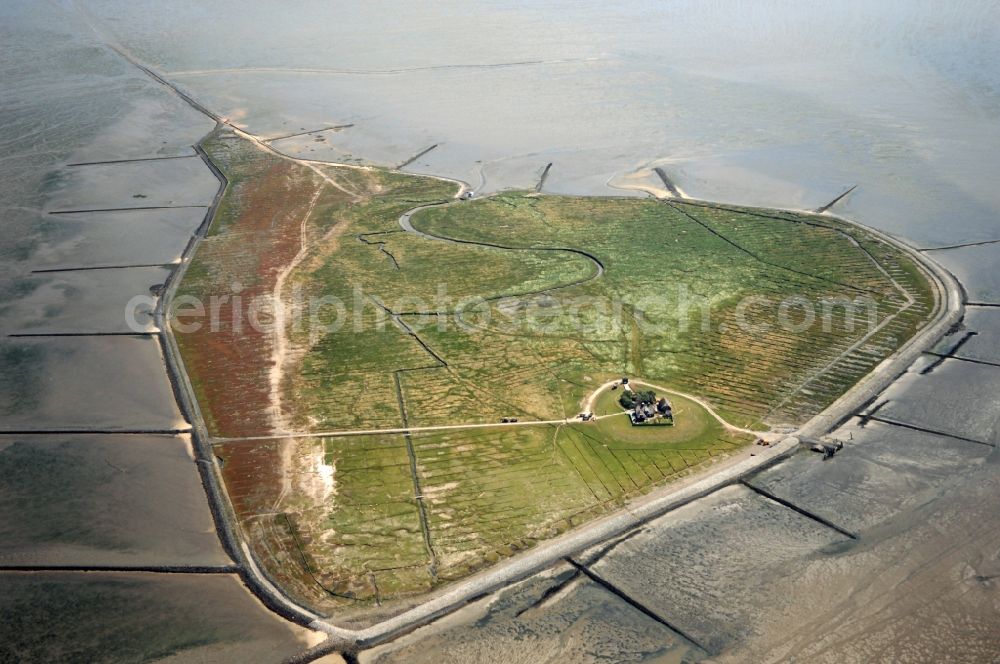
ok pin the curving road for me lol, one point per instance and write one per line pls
(588, 406)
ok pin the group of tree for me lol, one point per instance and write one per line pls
(629, 399)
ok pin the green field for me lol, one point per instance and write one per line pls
(515, 305)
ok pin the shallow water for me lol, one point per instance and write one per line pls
(64, 93)
(182, 182)
(977, 268)
(783, 104)
(109, 239)
(74, 383)
(93, 301)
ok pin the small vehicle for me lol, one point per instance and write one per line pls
(467, 195)
(586, 417)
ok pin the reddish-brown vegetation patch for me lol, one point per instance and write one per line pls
(229, 357)
(252, 472)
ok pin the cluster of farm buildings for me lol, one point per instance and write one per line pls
(645, 412)
(646, 409)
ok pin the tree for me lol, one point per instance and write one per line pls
(646, 397)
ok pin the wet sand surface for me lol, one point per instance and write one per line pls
(137, 617)
(606, 98)
(113, 500)
(983, 345)
(683, 566)
(91, 500)
(921, 587)
(957, 398)
(557, 617)
(883, 472)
